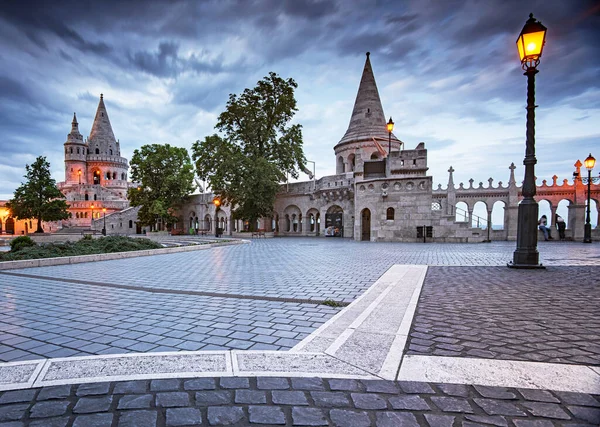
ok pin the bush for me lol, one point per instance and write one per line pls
(82, 247)
(21, 242)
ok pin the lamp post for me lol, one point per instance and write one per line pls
(530, 45)
(589, 163)
(314, 178)
(104, 228)
(390, 128)
(92, 223)
(217, 203)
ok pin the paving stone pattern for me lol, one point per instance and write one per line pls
(45, 319)
(293, 401)
(501, 313)
(42, 318)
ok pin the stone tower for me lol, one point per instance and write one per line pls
(75, 155)
(366, 124)
(104, 162)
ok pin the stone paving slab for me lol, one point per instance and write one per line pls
(500, 313)
(509, 373)
(294, 401)
(17, 375)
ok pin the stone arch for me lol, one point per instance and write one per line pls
(498, 215)
(340, 165)
(97, 177)
(311, 216)
(461, 210)
(365, 225)
(192, 223)
(562, 209)
(375, 156)
(593, 212)
(390, 214)
(207, 222)
(545, 208)
(10, 226)
(479, 215)
(293, 216)
(97, 150)
(351, 162)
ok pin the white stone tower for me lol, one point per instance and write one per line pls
(367, 125)
(75, 155)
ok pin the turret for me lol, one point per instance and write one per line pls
(75, 155)
(367, 131)
(106, 167)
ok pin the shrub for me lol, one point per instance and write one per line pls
(20, 243)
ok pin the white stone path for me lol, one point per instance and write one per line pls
(365, 340)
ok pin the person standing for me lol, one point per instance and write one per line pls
(560, 226)
(543, 225)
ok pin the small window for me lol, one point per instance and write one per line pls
(87, 197)
(123, 176)
(414, 162)
(71, 150)
(71, 169)
(97, 151)
(77, 215)
(114, 175)
(110, 151)
(86, 214)
(390, 214)
(130, 223)
(95, 197)
(78, 150)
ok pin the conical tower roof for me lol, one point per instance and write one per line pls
(367, 119)
(74, 136)
(102, 132)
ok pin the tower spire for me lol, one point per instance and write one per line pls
(102, 133)
(367, 120)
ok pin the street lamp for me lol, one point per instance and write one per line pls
(589, 163)
(530, 45)
(104, 229)
(390, 128)
(92, 222)
(217, 203)
(314, 178)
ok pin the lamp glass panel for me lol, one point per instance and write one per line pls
(533, 43)
(520, 47)
(590, 162)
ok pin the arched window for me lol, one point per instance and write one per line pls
(97, 150)
(123, 176)
(110, 151)
(87, 197)
(114, 175)
(77, 215)
(390, 214)
(97, 178)
(374, 156)
(86, 214)
(77, 150)
(95, 197)
(71, 150)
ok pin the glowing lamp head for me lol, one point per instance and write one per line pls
(390, 125)
(531, 42)
(217, 202)
(589, 162)
(92, 206)
(79, 172)
(104, 210)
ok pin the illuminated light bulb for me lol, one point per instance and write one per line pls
(531, 46)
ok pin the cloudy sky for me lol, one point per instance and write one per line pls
(447, 72)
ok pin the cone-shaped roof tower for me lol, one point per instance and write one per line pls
(367, 119)
(102, 133)
(74, 135)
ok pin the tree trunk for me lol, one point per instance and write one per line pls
(39, 225)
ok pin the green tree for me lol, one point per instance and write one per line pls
(165, 178)
(257, 149)
(39, 198)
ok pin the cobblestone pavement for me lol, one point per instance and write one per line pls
(501, 313)
(293, 401)
(45, 316)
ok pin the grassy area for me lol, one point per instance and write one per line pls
(31, 250)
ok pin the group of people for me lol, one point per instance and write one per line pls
(560, 224)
